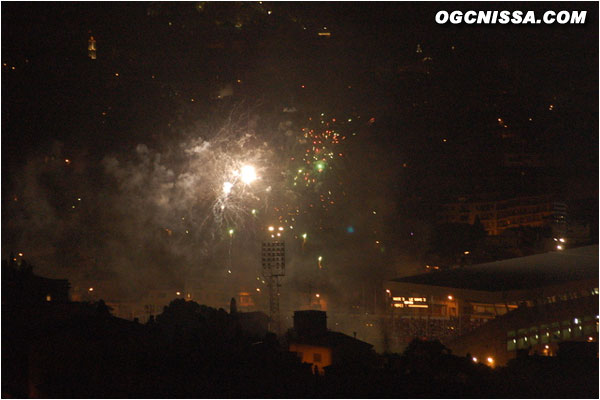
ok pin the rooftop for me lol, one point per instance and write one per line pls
(529, 272)
(333, 339)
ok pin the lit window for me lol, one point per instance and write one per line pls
(48, 297)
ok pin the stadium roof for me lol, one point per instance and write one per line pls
(529, 272)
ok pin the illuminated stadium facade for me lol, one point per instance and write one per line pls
(493, 310)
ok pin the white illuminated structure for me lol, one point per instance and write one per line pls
(273, 267)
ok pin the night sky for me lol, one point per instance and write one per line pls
(113, 169)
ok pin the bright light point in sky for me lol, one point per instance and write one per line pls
(227, 187)
(248, 174)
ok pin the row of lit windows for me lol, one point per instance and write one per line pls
(541, 204)
(488, 220)
(510, 213)
(274, 244)
(522, 220)
(571, 295)
(522, 210)
(555, 332)
(501, 205)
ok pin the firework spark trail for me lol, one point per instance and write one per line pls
(203, 185)
(166, 210)
(226, 175)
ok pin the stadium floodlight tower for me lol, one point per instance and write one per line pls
(273, 267)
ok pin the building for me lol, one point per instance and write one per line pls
(316, 345)
(500, 307)
(21, 286)
(499, 215)
(539, 329)
(254, 323)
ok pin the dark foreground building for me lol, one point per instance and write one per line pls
(316, 345)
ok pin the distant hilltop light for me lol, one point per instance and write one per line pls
(92, 48)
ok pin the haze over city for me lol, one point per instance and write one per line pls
(151, 150)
